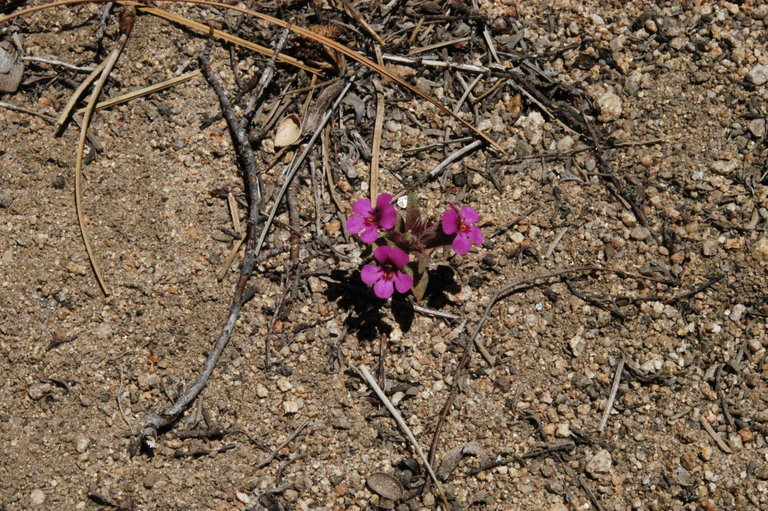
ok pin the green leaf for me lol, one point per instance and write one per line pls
(412, 213)
(420, 286)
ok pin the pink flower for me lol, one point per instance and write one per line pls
(367, 219)
(388, 275)
(460, 225)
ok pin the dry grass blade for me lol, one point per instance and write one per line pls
(110, 63)
(225, 36)
(304, 32)
(378, 128)
(75, 96)
(144, 91)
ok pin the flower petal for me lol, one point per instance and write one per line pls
(398, 256)
(469, 215)
(363, 208)
(370, 273)
(384, 288)
(355, 224)
(381, 254)
(461, 244)
(476, 234)
(370, 234)
(450, 221)
(383, 200)
(403, 282)
(387, 216)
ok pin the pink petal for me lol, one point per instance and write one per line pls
(450, 221)
(403, 282)
(461, 244)
(469, 215)
(398, 256)
(370, 274)
(363, 208)
(381, 254)
(383, 200)
(355, 224)
(387, 216)
(476, 234)
(384, 288)
(370, 234)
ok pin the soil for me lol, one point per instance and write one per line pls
(635, 139)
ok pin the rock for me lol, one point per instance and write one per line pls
(757, 127)
(577, 345)
(81, 444)
(104, 330)
(284, 385)
(261, 391)
(609, 105)
(758, 74)
(599, 464)
(342, 423)
(75, 268)
(290, 407)
(754, 345)
(760, 251)
(639, 233)
(243, 497)
(150, 480)
(724, 167)
(762, 472)
(737, 312)
(6, 199)
(563, 430)
(37, 497)
(708, 248)
(565, 144)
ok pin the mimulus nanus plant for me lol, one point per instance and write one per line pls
(408, 237)
(367, 219)
(460, 224)
(388, 275)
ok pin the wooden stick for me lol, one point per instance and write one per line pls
(403, 426)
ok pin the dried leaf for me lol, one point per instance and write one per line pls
(454, 456)
(11, 67)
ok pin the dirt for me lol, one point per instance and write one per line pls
(635, 156)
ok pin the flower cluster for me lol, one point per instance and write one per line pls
(400, 239)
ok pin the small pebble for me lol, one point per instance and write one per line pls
(757, 127)
(284, 385)
(609, 105)
(290, 407)
(150, 480)
(758, 74)
(599, 464)
(639, 233)
(708, 248)
(760, 251)
(81, 444)
(737, 312)
(37, 497)
(577, 345)
(261, 391)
